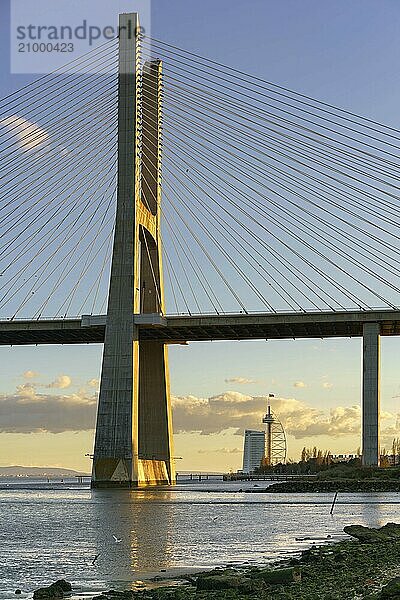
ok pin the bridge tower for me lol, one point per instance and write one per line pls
(133, 443)
(371, 395)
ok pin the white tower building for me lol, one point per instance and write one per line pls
(254, 449)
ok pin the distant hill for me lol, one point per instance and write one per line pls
(38, 472)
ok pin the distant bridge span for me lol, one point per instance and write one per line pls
(180, 329)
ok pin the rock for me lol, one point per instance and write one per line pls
(251, 586)
(310, 555)
(279, 576)
(219, 582)
(339, 556)
(229, 581)
(18, 591)
(48, 592)
(64, 585)
(337, 485)
(55, 590)
(390, 531)
(392, 589)
(218, 571)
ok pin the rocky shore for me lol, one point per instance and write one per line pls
(364, 567)
(336, 485)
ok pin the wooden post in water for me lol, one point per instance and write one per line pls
(333, 503)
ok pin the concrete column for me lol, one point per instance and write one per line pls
(371, 394)
(134, 429)
(155, 419)
(115, 461)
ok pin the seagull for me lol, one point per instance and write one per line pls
(215, 518)
(95, 558)
(117, 540)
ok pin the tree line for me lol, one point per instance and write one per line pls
(313, 460)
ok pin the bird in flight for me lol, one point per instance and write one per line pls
(117, 540)
(95, 558)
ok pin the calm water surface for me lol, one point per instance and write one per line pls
(46, 534)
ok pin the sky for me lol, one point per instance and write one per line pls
(342, 52)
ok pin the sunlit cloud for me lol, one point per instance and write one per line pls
(61, 382)
(27, 411)
(221, 451)
(238, 411)
(28, 135)
(327, 386)
(30, 374)
(94, 383)
(299, 384)
(389, 431)
(26, 391)
(240, 380)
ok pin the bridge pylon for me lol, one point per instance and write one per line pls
(133, 443)
(371, 395)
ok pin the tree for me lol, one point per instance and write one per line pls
(396, 451)
(384, 459)
(327, 458)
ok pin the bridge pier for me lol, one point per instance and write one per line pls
(371, 394)
(133, 444)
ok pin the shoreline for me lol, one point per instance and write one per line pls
(331, 486)
(355, 568)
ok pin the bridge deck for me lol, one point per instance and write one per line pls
(175, 329)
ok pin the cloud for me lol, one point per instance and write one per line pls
(30, 374)
(241, 380)
(29, 135)
(94, 383)
(390, 431)
(27, 411)
(299, 384)
(221, 451)
(238, 411)
(61, 382)
(341, 421)
(231, 410)
(26, 391)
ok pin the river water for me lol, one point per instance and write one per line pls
(48, 534)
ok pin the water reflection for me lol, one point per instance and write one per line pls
(379, 501)
(53, 534)
(144, 521)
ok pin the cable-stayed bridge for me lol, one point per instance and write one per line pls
(165, 198)
(185, 328)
